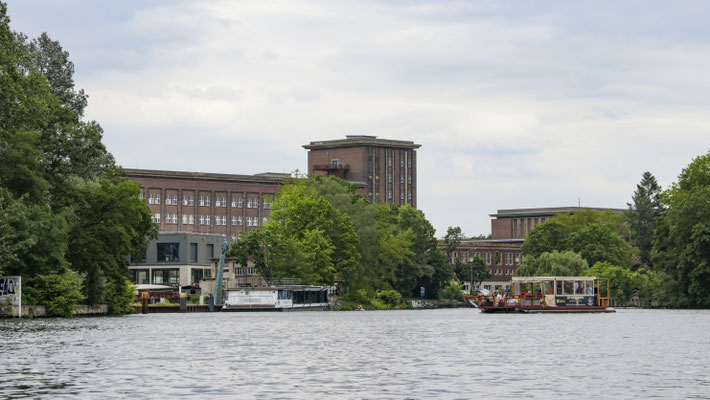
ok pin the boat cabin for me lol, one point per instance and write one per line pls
(277, 298)
(551, 293)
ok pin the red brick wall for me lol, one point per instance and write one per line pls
(501, 228)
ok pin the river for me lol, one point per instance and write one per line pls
(450, 353)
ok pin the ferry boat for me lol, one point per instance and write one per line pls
(277, 298)
(550, 294)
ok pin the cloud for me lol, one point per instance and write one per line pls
(515, 104)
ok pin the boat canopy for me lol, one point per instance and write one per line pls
(535, 279)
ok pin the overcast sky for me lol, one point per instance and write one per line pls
(515, 103)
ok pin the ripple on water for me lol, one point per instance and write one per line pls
(456, 353)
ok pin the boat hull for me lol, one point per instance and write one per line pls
(544, 309)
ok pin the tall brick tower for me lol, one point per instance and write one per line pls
(385, 170)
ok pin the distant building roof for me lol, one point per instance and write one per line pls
(267, 177)
(551, 211)
(361, 140)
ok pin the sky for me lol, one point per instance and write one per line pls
(516, 104)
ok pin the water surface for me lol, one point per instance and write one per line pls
(454, 353)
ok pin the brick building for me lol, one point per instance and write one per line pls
(385, 170)
(502, 251)
(222, 204)
(195, 212)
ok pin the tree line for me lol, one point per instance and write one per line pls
(68, 220)
(657, 251)
(324, 233)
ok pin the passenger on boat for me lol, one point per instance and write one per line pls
(500, 300)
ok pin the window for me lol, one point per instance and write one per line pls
(190, 219)
(156, 218)
(202, 200)
(265, 204)
(234, 221)
(168, 252)
(140, 195)
(401, 179)
(409, 179)
(210, 250)
(239, 271)
(217, 201)
(409, 163)
(401, 162)
(389, 193)
(389, 161)
(240, 202)
(335, 163)
(151, 198)
(248, 221)
(202, 219)
(488, 258)
(234, 202)
(175, 199)
(389, 177)
(401, 195)
(509, 259)
(264, 220)
(239, 220)
(166, 276)
(248, 202)
(193, 252)
(207, 220)
(157, 198)
(207, 201)
(409, 195)
(256, 221)
(184, 219)
(185, 200)
(168, 200)
(255, 203)
(251, 271)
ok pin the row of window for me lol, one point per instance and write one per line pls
(239, 271)
(220, 201)
(401, 178)
(488, 257)
(401, 195)
(189, 219)
(401, 162)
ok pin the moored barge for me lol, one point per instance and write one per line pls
(277, 298)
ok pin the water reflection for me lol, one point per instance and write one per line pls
(399, 354)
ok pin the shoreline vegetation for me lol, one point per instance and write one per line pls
(69, 221)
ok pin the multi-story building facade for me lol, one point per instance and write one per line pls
(221, 204)
(195, 212)
(502, 251)
(385, 170)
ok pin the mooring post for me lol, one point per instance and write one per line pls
(220, 272)
(144, 302)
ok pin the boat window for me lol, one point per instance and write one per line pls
(568, 287)
(590, 287)
(558, 284)
(547, 287)
(579, 287)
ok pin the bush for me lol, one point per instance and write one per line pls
(389, 297)
(60, 293)
(119, 296)
(451, 292)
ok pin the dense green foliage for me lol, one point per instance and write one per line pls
(69, 221)
(642, 215)
(682, 237)
(322, 232)
(624, 284)
(554, 263)
(592, 234)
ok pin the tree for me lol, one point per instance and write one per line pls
(474, 271)
(71, 221)
(597, 243)
(452, 240)
(642, 214)
(682, 237)
(47, 57)
(305, 238)
(545, 238)
(624, 284)
(555, 263)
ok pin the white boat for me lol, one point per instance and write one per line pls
(277, 298)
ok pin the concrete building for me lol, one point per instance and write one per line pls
(502, 251)
(176, 258)
(385, 170)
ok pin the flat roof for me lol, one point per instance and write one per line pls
(361, 140)
(267, 177)
(528, 212)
